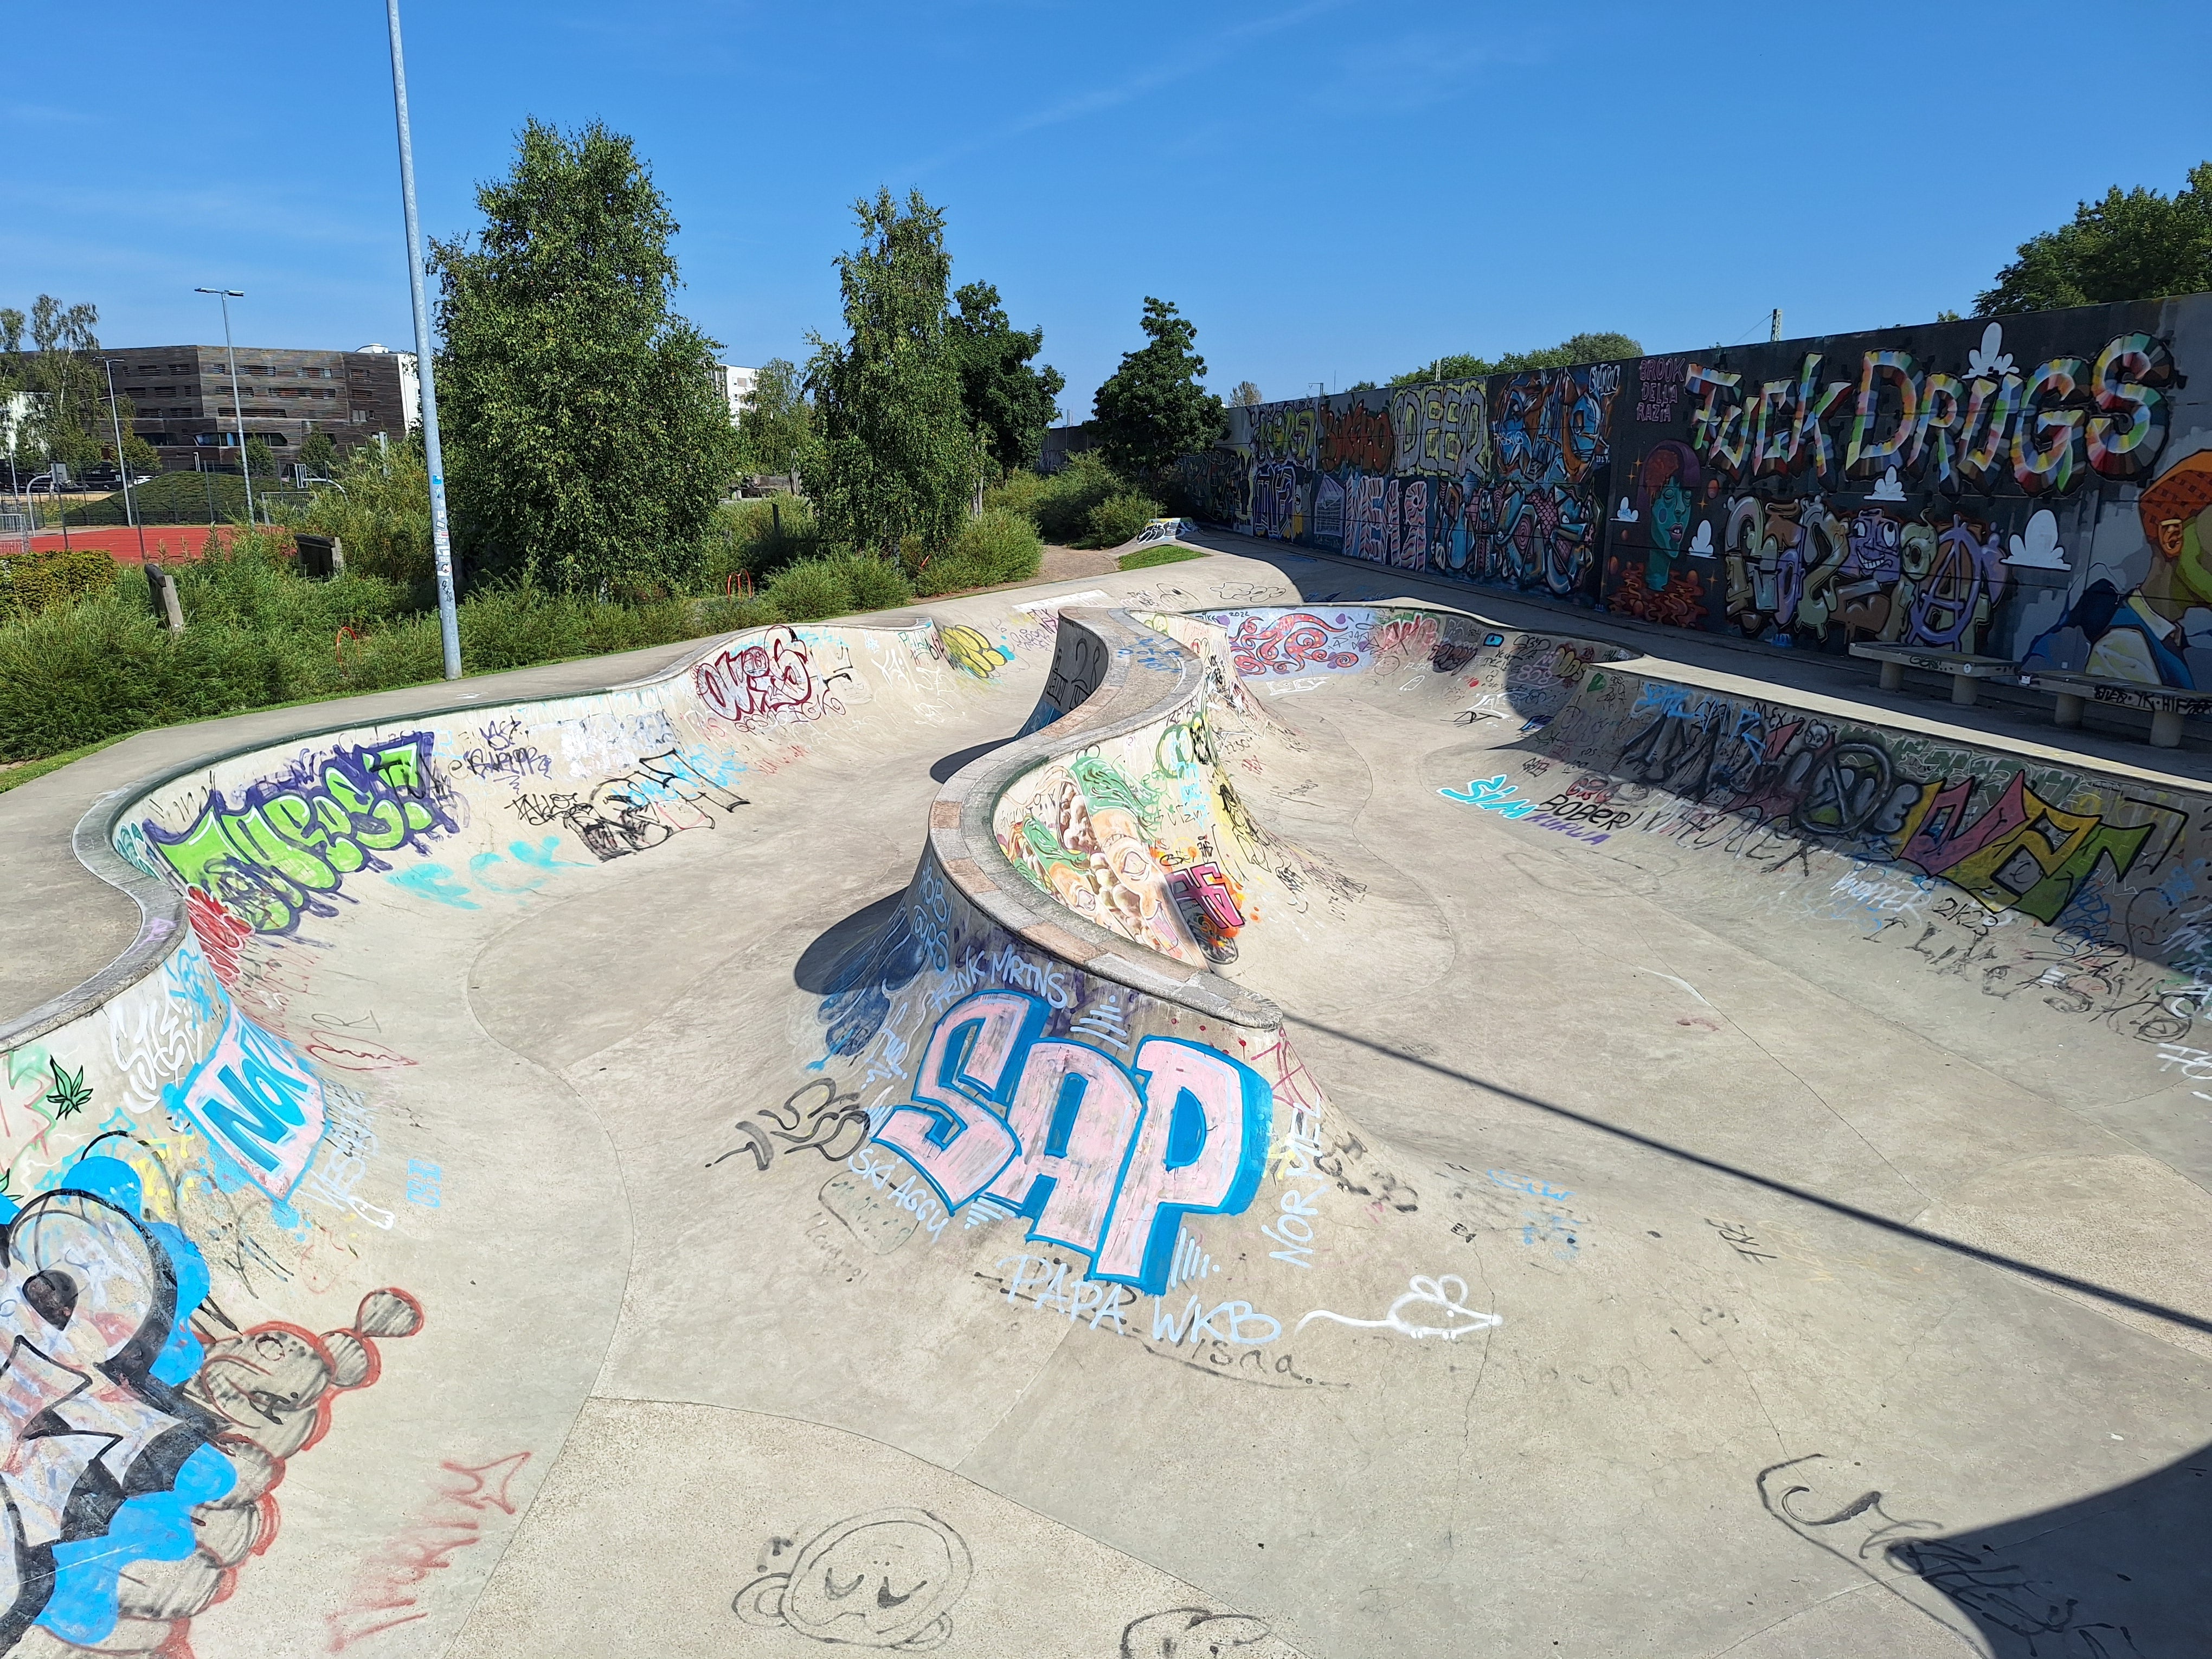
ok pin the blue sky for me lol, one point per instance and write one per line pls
(1331, 190)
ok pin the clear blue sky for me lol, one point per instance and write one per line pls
(1332, 191)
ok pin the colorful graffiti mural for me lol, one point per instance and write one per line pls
(2037, 488)
(2013, 839)
(294, 838)
(1100, 1158)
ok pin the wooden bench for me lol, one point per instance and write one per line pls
(2169, 704)
(1964, 669)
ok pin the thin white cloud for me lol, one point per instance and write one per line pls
(1190, 62)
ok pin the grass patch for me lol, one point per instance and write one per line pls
(15, 776)
(1167, 553)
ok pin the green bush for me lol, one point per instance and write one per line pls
(1058, 506)
(379, 507)
(259, 634)
(994, 547)
(1063, 509)
(840, 587)
(1120, 517)
(1018, 492)
(31, 582)
(760, 537)
(875, 585)
(808, 591)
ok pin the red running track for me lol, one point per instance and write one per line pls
(168, 542)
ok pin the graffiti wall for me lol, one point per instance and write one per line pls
(195, 1183)
(2037, 488)
(2041, 884)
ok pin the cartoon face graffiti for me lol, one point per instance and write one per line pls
(2177, 519)
(886, 1579)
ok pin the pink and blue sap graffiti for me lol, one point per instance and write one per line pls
(1101, 1157)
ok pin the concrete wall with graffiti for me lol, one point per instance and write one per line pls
(2037, 488)
(199, 1192)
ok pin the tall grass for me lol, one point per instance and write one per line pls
(257, 634)
(996, 546)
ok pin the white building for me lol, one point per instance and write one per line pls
(410, 383)
(736, 384)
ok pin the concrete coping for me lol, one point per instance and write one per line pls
(1939, 662)
(1134, 692)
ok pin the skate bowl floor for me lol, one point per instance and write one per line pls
(1164, 1116)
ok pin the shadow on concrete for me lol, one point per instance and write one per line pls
(2120, 1572)
(829, 963)
(942, 769)
(2103, 1293)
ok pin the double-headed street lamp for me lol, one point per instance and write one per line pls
(237, 407)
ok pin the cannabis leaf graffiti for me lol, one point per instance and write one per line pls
(69, 1093)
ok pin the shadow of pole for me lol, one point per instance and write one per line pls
(2104, 1293)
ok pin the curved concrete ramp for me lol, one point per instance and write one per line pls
(1360, 1130)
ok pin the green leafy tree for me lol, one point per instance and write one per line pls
(2132, 245)
(67, 419)
(1576, 348)
(318, 455)
(897, 457)
(1008, 401)
(381, 511)
(1247, 395)
(775, 432)
(588, 446)
(260, 463)
(1155, 406)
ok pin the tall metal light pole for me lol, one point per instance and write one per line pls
(122, 463)
(441, 540)
(237, 405)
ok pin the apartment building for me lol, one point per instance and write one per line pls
(184, 407)
(736, 384)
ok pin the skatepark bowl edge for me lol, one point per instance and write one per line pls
(1160, 1116)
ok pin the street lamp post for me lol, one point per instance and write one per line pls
(237, 405)
(122, 464)
(441, 541)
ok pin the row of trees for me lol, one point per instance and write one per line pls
(587, 445)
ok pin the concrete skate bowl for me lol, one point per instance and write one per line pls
(574, 1164)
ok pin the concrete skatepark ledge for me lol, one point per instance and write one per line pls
(1178, 1117)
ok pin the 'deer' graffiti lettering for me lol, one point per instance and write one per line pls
(1102, 1158)
(288, 841)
